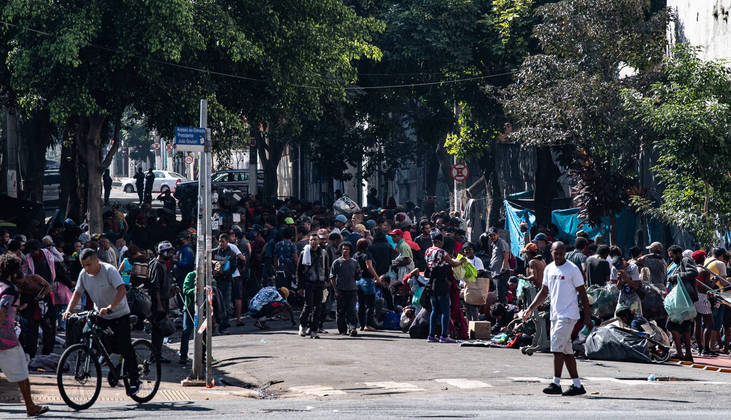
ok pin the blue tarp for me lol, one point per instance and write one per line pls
(567, 221)
(513, 218)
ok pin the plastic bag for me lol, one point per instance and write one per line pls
(678, 304)
(605, 300)
(139, 302)
(652, 302)
(616, 344)
(344, 205)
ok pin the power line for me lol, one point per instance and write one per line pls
(251, 79)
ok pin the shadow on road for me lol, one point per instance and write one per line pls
(640, 399)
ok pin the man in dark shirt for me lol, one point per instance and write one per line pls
(312, 273)
(597, 267)
(258, 247)
(224, 265)
(159, 284)
(382, 252)
(343, 275)
(424, 242)
(139, 183)
(149, 182)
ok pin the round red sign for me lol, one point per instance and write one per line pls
(189, 160)
(460, 172)
(156, 146)
(169, 147)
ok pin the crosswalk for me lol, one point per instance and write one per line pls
(462, 384)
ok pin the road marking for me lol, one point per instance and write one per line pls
(462, 383)
(394, 386)
(317, 390)
(529, 379)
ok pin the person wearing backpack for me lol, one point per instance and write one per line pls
(439, 263)
(159, 284)
(687, 272)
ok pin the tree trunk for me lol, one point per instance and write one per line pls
(270, 153)
(612, 229)
(91, 151)
(431, 169)
(36, 138)
(546, 176)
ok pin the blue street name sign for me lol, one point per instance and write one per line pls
(191, 139)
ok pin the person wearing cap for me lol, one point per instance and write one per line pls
(285, 260)
(544, 248)
(534, 267)
(344, 273)
(499, 263)
(656, 264)
(339, 223)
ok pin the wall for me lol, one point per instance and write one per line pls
(706, 23)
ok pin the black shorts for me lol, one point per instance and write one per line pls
(237, 289)
(680, 328)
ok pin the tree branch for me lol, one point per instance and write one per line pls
(115, 145)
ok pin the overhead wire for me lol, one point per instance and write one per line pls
(252, 79)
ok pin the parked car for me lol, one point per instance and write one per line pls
(164, 181)
(230, 179)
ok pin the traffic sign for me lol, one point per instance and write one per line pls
(169, 147)
(190, 139)
(156, 146)
(460, 172)
(188, 160)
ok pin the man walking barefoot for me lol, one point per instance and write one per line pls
(562, 281)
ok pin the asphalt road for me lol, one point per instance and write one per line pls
(388, 375)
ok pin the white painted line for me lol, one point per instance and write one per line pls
(462, 383)
(394, 386)
(529, 379)
(317, 390)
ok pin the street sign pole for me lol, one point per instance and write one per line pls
(208, 266)
(199, 364)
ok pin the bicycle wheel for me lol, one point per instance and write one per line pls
(148, 369)
(79, 377)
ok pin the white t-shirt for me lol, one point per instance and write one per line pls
(477, 262)
(562, 282)
(102, 289)
(236, 251)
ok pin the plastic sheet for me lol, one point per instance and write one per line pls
(616, 344)
(605, 300)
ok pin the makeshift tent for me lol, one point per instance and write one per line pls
(513, 218)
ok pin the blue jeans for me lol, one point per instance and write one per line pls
(187, 333)
(439, 305)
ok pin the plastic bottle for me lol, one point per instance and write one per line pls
(651, 378)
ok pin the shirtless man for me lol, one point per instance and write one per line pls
(534, 270)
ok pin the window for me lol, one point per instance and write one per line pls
(159, 174)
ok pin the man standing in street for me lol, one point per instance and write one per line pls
(312, 274)
(499, 263)
(104, 286)
(149, 182)
(139, 183)
(598, 269)
(562, 281)
(107, 180)
(224, 266)
(343, 275)
(159, 280)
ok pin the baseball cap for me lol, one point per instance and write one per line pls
(289, 221)
(398, 232)
(257, 228)
(322, 233)
(436, 236)
(540, 237)
(341, 218)
(371, 223)
(655, 246)
(492, 231)
(531, 247)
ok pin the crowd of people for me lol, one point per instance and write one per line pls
(370, 269)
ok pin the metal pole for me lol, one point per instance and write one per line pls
(206, 177)
(200, 259)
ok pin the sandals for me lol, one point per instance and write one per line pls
(39, 410)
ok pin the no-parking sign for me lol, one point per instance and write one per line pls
(460, 172)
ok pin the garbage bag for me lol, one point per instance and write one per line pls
(139, 302)
(616, 344)
(605, 300)
(344, 205)
(652, 302)
(678, 304)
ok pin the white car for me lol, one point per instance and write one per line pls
(164, 181)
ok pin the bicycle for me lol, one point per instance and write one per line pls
(79, 371)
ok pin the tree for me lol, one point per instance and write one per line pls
(570, 94)
(86, 62)
(690, 110)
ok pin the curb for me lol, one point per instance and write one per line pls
(700, 366)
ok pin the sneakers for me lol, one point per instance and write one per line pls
(432, 339)
(446, 340)
(133, 388)
(302, 331)
(313, 334)
(353, 333)
(553, 389)
(573, 390)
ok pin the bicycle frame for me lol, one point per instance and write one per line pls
(91, 339)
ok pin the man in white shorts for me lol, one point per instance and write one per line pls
(12, 356)
(562, 281)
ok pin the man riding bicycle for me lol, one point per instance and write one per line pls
(104, 285)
